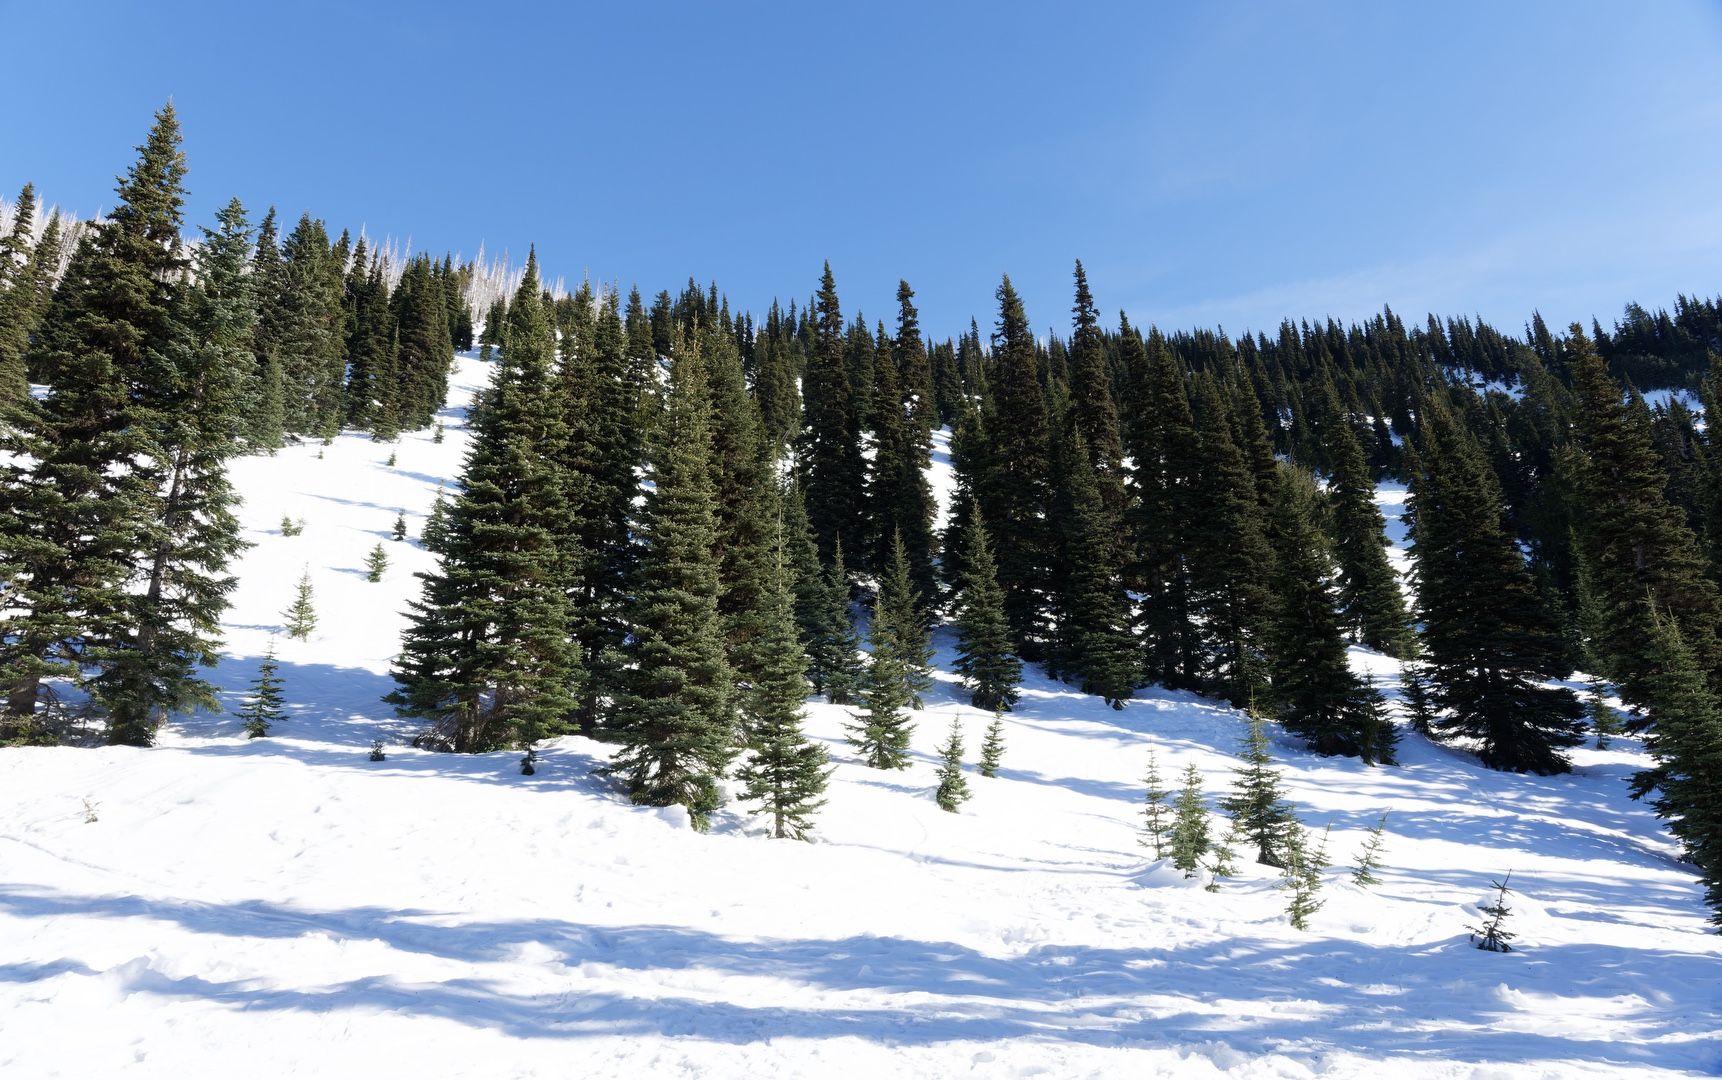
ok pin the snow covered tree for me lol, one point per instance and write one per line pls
(1190, 823)
(786, 772)
(985, 659)
(263, 706)
(953, 786)
(676, 717)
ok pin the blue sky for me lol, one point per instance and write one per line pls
(1209, 163)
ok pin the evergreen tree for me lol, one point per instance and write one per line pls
(899, 623)
(953, 788)
(1634, 541)
(834, 646)
(399, 532)
(984, 657)
(1095, 644)
(1301, 876)
(300, 618)
(1314, 690)
(1166, 468)
(1256, 805)
(1684, 740)
(993, 747)
(1369, 859)
(80, 494)
(485, 657)
(1490, 645)
(900, 499)
(675, 717)
(1156, 815)
(376, 563)
(832, 466)
(1189, 824)
(1370, 603)
(786, 773)
(308, 335)
(1095, 411)
(1419, 699)
(1605, 723)
(881, 733)
(915, 372)
(1493, 935)
(22, 296)
(263, 707)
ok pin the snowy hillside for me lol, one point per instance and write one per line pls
(222, 907)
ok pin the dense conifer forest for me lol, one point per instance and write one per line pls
(678, 517)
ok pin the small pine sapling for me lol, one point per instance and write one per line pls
(263, 707)
(1156, 815)
(1604, 721)
(1190, 824)
(1493, 935)
(1223, 859)
(992, 746)
(377, 750)
(1369, 859)
(320, 453)
(529, 763)
(391, 462)
(953, 788)
(400, 532)
(301, 617)
(376, 562)
(436, 523)
(1301, 875)
(289, 527)
(90, 806)
(436, 433)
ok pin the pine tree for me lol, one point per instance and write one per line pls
(308, 334)
(881, 733)
(485, 657)
(786, 773)
(1166, 470)
(1314, 690)
(1369, 599)
(400, 530)
(1419, 700)
(376, 563)
(1369, 859)
(1490, 645)
(1684, 740)
(985, 659)
(833, 644)
(1156, 816)
(1605, 723)
(1095, 411)
(435, 532)
(1223, 861)
(300, 618)
(898, 621)
(675, 717)
(1189, 824)
(1256, 805)
(833, 469)
(1095, 644)
(263, 707)
(22, 296)
(1493, 935)
(1301, 875)
(80, 497)
(953, 788)
(993, 747)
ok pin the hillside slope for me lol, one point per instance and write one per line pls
(285, 906)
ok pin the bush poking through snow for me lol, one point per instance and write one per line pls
(953, 788)
(377, 750)
(1369, 859)
(1493, 935)
(289, 527)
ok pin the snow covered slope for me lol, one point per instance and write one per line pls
(286, 907)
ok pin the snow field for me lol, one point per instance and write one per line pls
(285, 907)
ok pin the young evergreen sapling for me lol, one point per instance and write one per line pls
(953, 787)
(993, 747)
(1156, 815)
(263, 707)
(1369, 859)
(1300, 877)
(375, 563)
(1493, 935)
(1190, 824)
(377, 750)
(301, 616)
(400, 532)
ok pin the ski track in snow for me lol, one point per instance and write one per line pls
(286, 907)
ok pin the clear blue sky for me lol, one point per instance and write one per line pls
(1209, 163)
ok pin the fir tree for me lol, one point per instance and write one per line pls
(1222, 863)
(834, 646)
(400, 530)
(1419, 701)
(993, 747)
(1189, 824)
(953, 788)
(263, 707)
(22, 296)
(1605, 723)
(1093, 407)
(376, 563)
(899, 623)
(1096, 646)
(1490, 644)
(1369, 858)
(881, 733)
(485, 658)
(1301, 875)
(1493, 935)
(300, 618)
(985, 659)
(1261, 812)
(1167, 466)
(833, 469)
(1156, 815)
(786, 773)
(435, 532)
(1369, 599)
(675, 717)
